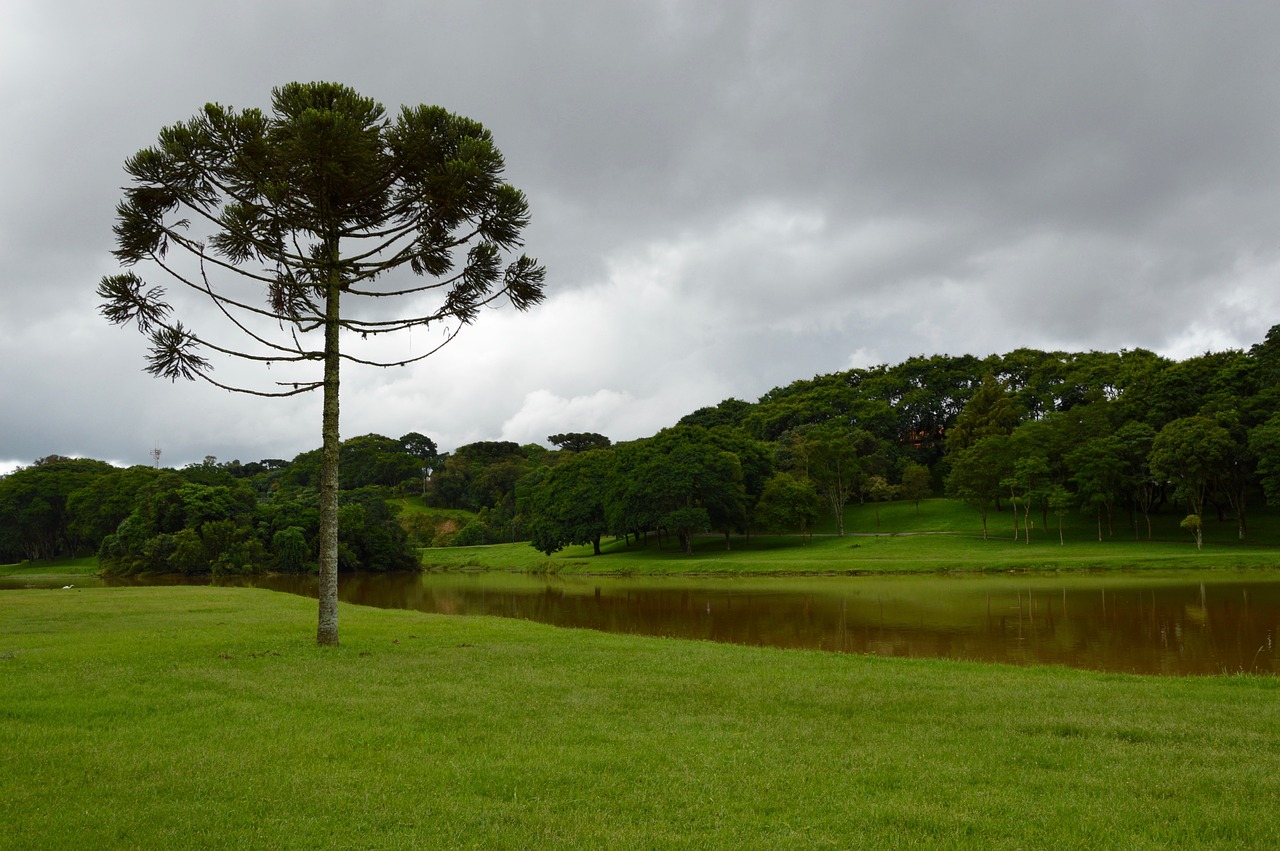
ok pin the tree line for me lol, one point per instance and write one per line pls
(1114, 435)
(1117, 436)
(212, 517)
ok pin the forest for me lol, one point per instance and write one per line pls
(1116, 436)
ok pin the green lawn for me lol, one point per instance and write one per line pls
(416, 505)
(70, 567)
(944, 536)
(207, 717)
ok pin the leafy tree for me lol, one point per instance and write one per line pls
(1060, 501)
(566, 503)
(824, 399)
(1028, 483)
(1236, 477)
(1264, 441)
(1193, 524)
(580, 441)
(419, 446)
(1141, 487)
(788, 502)
(424, 450)
(730, 412)
(1191, 452)
(1030, 377)
(756, 461)
(1183, 389)
(977, 473)
(291, 551)
(1098, 469)
(677, 480)
(879, 489)
(36, 503)
(475, 532)
(1059, 433)
(370, 535)
(837, 466)
(479, 475)
(925, 395)
(96, 509)
(917, 484)
(367, 460)
(372, 459)
(207, 472)
(991, 411)
(316, 202)
(188, 527)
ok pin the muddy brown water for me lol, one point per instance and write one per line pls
(1183, 623)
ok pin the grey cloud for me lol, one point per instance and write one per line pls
(965, 178)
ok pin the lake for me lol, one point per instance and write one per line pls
(1174, 623)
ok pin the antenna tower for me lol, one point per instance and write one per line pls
(155, 456)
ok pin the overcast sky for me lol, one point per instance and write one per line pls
(727, 196)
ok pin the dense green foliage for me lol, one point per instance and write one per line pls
(426, 731)
(1114, 437)
(1040, 439)
(204, 518)
(38, 507)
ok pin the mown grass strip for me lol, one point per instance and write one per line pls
(202, 717)
(941, 537)
(854, 554)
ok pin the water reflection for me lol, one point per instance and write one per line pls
(1176, 623)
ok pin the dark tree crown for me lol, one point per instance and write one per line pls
(323, 189)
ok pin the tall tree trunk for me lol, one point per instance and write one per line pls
(327, 630)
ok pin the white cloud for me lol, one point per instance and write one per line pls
(544, 413)
(863, 358)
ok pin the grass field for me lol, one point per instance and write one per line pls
(940, 538)
(207, 717)
(69, 567)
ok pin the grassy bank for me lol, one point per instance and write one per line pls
(199, 717)
(70, 567)
(854, 555)
(942, 535)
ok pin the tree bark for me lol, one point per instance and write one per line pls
(327, 629)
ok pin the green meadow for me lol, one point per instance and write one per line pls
(208, 717)
(943, 535)
(70, 568)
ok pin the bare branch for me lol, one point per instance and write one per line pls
(220, 298)
(444, 282)
(300, 387)
(236, 322)
(448, 339)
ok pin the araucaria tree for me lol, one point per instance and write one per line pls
(301, 214)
